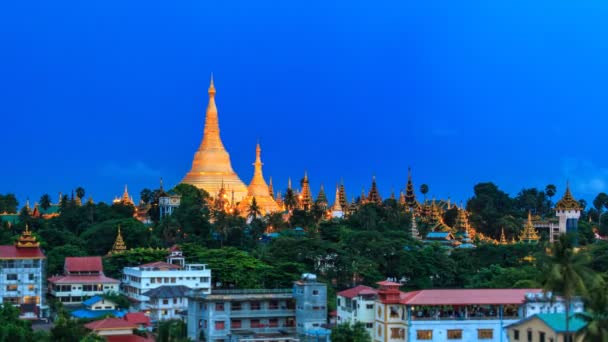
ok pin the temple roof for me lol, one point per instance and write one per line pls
(119, 244)
(567, 202)
(258, 189)
(529, 232)
(83, 264)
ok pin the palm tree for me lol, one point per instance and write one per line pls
(45, 201)
(80, 192)
(567, 273)
(550, 191)
(424, 189)
(596, 316)
(254, 209)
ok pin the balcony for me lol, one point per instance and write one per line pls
(263, 313)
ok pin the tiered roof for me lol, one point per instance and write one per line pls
(119, 244)
(374, 194)
(567, 202)
(529, 235)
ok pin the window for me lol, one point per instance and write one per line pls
(219, 306)
(529, 335)
(379, 330)
(541, 336)
(11, 287)
(205, 324)
(454, 334)
(235, 324)
(273, 322)
(339, 303)
(219, 325)
(30, 276)
(397, 333)
(255, 323)
(273, 305)
(516, 334)
(11, 276)
(315, 292)
(424, 334)
(550, 339)
(165, 301)
(369, 306)
(369, 325)
(394, 312)
(236, 307)
(88, 288)
(153, 280)
(255, 305)
(485, 334)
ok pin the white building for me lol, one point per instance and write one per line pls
(461, 315)
(167, 302)
(83, 278)
(138, 280)
(22, 276)
(357, 305)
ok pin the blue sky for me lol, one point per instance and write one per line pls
(103, 93)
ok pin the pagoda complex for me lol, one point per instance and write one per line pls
(211, 167)
(258, 189)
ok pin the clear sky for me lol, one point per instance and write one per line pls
(103, 93)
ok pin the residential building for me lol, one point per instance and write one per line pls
(117, 330)
(22, 268)
(82, 277)
(96, 307)
(357, 305)
(174, 272)
(438, 315)
(548, 327)
(259, 314)
(167, 302)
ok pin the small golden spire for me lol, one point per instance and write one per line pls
(211, 87)
(503, 239)
(119, 244)
(528, 235)
(27, 240)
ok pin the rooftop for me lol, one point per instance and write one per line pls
(467, 296)
(83, 264)
(14, 252)
(82, 279)
(110, 324)
(356, 291)
(167, 291)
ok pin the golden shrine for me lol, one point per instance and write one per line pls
(211, 167)
(259, 190)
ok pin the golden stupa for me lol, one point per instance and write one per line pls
(258, 189)
(211, 168)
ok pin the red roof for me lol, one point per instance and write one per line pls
(78, 279)
(388, 283)
(83, 264)
(127, 338)
(355, 291)
(161, 264)
(466, 296)
(12, 252)
(110, 324)
(137, 318)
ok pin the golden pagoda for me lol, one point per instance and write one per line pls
(27, 240)
(410, 194)
(462, 221)
(279, 200)
(270, 188)
(125, 198)
(343, 199)
(337, 207)
(528, 235)
(503, 239)
(305, 197)
(567, 202)
(437, 219)
(374, 195)
(211, 164)
(258, 189)
(321, 200)
(119, 245)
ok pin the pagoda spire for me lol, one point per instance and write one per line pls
(393, 194)
(342, 197)
(322, 198)
(271, 188)
(503, 239)
(402, 198)
(306, 195)
(26, 239)
(414, 228)
(528, 235)
(119, 244)
(410, 194)
(337, 205)
(462, 221)
(567, 202)
(289, 183)
(258, 189)
(374, 195)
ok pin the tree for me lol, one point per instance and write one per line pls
(56, 257)
(566, 273)
(600, 201)
(80, 193)
(174, 330)
(8, 203)
(254, 210)
(350, 333)
(424, 189)
(67, 329)
(145, 195)
(596, 315)
(45, 201)
(550, 191)
(12, 328)
(290, 199)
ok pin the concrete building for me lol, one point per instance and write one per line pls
(136, 281)
(546, 328)
(167, 302)
(259, 314)
(439, 315)
(83, 277)
(357, 305)
(22, 281)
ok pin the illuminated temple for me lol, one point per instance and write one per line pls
(258, 189)
(211, 167)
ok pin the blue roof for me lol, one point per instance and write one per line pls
(437, 235)
(467, 245)
(317, 332)
(299, 229)
(92, 300)
(84, 313)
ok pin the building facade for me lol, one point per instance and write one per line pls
(83, 277)
(258, 314)
(22, 281)
(439, 315)
(136, 281)
(357, 305)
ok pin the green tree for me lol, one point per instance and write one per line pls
(56, 257)
(66, 329)
(550, 191)
(599, 202)
(350, 333)
(488, 206)
(254, 210)
(45, 201)
(596, 314)
(146, 196)
(566, 273)
(8, 203)
(172, 331)
(424, 189)
(12, 328)
(80, 193)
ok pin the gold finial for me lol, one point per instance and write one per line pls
(503, 240)
(289, 183)
(211, 87)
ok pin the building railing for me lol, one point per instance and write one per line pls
(263, 313)
(251, 291)
(472, 318)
